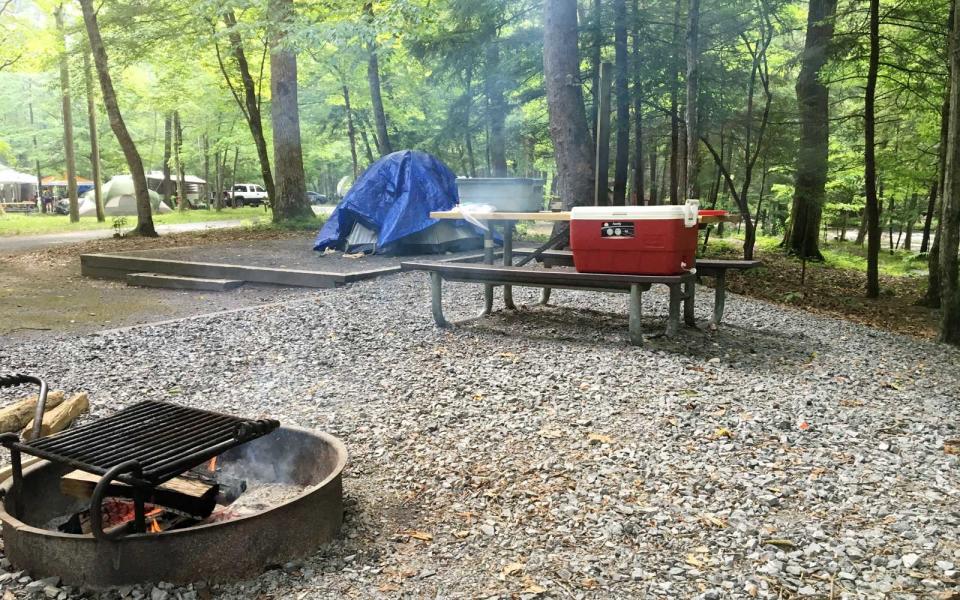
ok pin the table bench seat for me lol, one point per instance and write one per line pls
(706, 267)
(681, 287)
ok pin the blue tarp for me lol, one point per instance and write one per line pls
(393, 197)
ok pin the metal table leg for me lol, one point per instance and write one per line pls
(719, 298)
(507, 262)
(673, 320)
(487, 260)
(545, 296)
(436, 299)
(636, 312)
(689, 295)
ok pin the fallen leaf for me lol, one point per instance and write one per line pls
(461, 534)
(694, 561)
(512, 569)
(589, 583)
(714, 521)
(951, 446)
(804, 425)
(722, 432)
(599, 438)
(389, 587)
(534, 589)
(420, 535)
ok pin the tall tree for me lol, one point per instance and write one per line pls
(373, 79)
(622, 159)
(638, 158)
(134, 162)
(813, 98)
(290, 201)
(692, 174)
(94, 138)
(496, 107)
(596, 52)
(250, 102)
(676, 156)
(167, 154)
(950, 215)
(69, 151)
(182, 204)
(870, 156)
(567, 118)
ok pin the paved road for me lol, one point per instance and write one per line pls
(17, 243)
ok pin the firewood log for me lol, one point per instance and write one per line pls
(60, 417)
(186, 495)
(17, 415)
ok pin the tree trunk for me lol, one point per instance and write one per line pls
(639, 181)
(134, 163)
(950, 216)
(94, 138)
(67, 111)
(596, 51)
(933, 259)
(467, 134)
(908, 223)
(36, 158)
(928, 219)
(496, 107)
(373, 79)
(351, 132)
(167, 155)
(812, 156)
(178, 163)
(692, 186)
(890, 222)
(653, 175)
(218, 182)
(366, 142)
(250, 103)
(568, 123)
(869, 157)
(290, 202)
(206, 169)
(622, 159)
(675, 157)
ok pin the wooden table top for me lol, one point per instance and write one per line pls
(548, 216)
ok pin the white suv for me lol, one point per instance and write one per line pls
(248, 194)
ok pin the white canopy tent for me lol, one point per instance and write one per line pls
(16, 186)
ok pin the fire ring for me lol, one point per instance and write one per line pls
(238, 548)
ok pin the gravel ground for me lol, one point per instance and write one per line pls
(538, 455)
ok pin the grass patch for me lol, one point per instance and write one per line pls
(12, 224)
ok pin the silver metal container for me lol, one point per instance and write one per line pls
(507, 194)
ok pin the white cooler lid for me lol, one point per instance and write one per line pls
(687, 212)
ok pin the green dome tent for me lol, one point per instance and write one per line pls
(119, 199)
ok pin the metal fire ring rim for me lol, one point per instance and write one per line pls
(333, 441)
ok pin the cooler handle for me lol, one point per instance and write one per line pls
(691, 213)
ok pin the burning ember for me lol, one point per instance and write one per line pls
(215, 491)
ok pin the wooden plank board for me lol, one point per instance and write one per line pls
(456, 214)
(187, 495)
(540, 277)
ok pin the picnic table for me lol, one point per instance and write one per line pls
(682, 287)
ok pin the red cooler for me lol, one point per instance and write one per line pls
(634, 240)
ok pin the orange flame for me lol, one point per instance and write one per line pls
(153, 526)
(212, 465)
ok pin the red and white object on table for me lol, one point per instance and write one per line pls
(635, 240)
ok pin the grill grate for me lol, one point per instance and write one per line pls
(165, 439)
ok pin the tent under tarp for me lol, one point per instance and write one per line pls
(387, 210)
(119, 199)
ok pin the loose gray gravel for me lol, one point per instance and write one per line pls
(537, 454)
